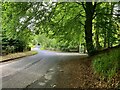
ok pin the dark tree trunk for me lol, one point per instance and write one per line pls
(97, 39)
(108, 38)
(88, 28)
(105, 39)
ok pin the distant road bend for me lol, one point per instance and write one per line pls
(24, 71)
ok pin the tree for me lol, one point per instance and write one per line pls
(71, 24)
(89, 12)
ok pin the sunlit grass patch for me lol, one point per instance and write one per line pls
(17, 55)
(107, 64)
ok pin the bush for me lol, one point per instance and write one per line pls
(9, 49)
(107, 65)
(14, 45)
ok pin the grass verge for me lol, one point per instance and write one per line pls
(107, 65)
(16, 55)
(80, 74)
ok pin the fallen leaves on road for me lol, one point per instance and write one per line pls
(79, 74)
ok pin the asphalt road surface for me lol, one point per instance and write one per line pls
(22, 72)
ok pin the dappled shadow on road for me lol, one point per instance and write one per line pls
(29, 69)
(74, 73)
(79, 74)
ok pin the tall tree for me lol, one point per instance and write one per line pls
(89, 13)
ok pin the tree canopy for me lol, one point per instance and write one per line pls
(91, 25)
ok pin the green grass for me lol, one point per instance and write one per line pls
(107, 64)
(34, 52)
(17, 55)
(42, 48)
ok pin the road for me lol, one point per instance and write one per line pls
(23, 72)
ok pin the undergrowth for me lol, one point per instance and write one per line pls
(107, 65)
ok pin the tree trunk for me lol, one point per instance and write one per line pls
(97, 39)
(105, 39)
(88, 28)
(108, 38)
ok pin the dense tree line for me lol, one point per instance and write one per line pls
(91, 25)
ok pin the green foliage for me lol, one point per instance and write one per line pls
(63, 23)
(106, 26)
(45, 42)
(15, 38)
(107, 65)
(13, 45)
